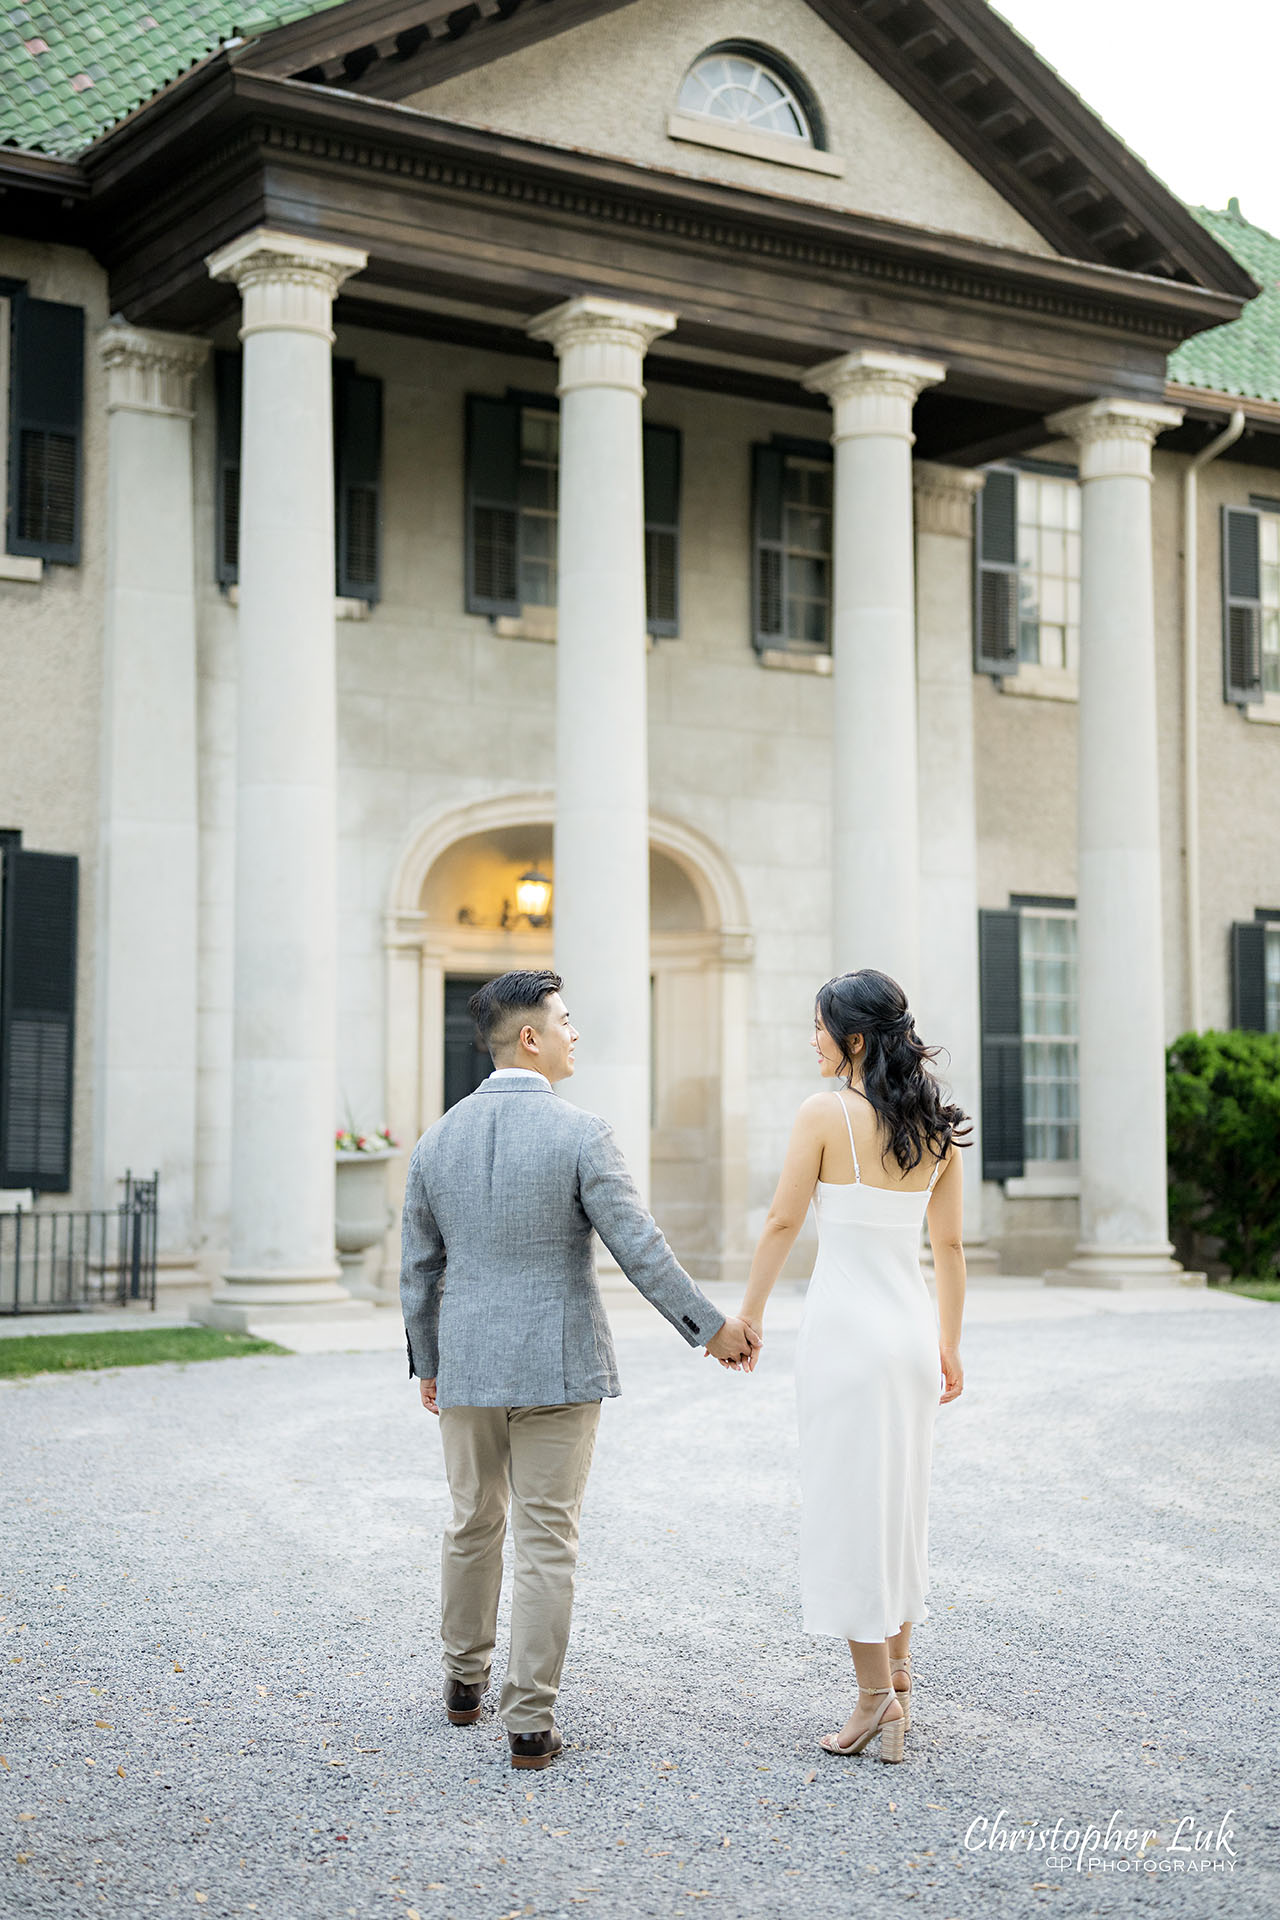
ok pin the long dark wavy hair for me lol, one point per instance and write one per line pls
(896, 1074)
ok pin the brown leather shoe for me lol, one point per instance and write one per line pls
(535, 1749)
(462, 1703)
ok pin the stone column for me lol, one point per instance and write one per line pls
(875, 880)
(601, 906)
(145, 1030)
(1123, 1184)
(284, 1077)
(947, 998)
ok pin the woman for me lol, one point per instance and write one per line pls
(874, 1156)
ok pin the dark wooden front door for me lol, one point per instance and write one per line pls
(466, 1060)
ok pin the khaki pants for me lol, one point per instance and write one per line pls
(540, 1458)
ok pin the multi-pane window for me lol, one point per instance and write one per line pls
(512, 488)
(1049, 570)
(732, 86)
(1272, 978)
(1269, 556)
(792, 489)
(1050, 1070)
(806, 561)
(538, 480)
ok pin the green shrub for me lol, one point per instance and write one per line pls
(1224, 1145)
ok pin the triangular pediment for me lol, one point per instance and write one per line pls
(1037, 169)
(612, 86)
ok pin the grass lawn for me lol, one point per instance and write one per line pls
(1254, 1289)
(62, 1352)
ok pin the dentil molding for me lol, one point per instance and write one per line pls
(150, 372)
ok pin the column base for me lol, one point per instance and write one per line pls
(248, 1302)
(1123, 1267)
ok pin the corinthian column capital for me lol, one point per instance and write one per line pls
(150, 372)
(944, 498)
(873, 392)
(601, 343)
(1115, 436)
(287, 282)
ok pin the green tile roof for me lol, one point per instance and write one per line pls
(70, 70)
(1243, 357)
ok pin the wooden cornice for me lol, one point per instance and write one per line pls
(957, 62)
(227, 114)
(42, 198)
(988, 92)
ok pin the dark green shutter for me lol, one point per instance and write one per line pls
(1000, 973)
(493, 510)
(662, 529)
(769, 557)
(227, 377)
(357, 468)
(46, 428)
(37, 1019)
(1241, 606)
(1249, 975)
(995, 614)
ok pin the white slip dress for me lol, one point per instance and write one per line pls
(868, 1380)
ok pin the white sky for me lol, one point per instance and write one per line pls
(1189, 85)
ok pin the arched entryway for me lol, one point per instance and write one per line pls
(451, 921)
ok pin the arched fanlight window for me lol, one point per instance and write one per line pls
(735, 86)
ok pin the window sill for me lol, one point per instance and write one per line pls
(540, 624)
(343, 609)
(784, 152)
(1034, 682)
(531, 623)
(784, 661)
(1265, 711)
(17, 566)
(1064, 1185)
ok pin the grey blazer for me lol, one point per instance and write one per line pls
(497, 1281)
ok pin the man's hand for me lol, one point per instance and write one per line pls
(735, 1345)
(427, 1388)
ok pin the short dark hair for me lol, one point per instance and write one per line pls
(501, 1007)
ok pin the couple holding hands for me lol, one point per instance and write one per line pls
(508, 1336)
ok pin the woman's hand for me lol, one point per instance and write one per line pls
(952, 1374)
(756, 1329)
(747, 1365)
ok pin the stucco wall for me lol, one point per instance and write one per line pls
(608, 85)
(51, 675)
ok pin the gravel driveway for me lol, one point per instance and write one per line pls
(219, 1589)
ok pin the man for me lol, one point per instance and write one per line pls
(508, 1336)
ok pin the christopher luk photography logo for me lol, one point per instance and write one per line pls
(1190, 1844)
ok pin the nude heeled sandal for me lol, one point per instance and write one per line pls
(893, 1733)
(904, 1693)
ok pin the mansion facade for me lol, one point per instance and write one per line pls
(707, 497)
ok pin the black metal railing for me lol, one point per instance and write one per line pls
(63, 1262)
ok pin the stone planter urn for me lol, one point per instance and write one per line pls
(361, 1213)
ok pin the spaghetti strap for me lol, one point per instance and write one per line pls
(938, 1166)
(857, 1170)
